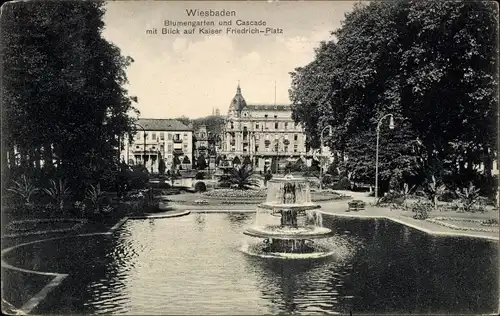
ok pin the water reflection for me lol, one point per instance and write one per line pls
(192, 265)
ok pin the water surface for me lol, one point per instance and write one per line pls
(193, 265)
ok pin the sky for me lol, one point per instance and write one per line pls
(189, 75)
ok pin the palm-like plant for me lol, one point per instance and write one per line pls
(468, 196)
(59, 192)
(243, 177)
(24, 189)
(434, 190)
(95, 196)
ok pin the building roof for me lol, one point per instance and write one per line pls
(238, 102)
(269, 107)
(162, 125)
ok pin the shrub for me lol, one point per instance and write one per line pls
(468, 197)
(433, 190)
(392, 198)
(95, 197)
(327, 179)
(200, 176)
(200, 186)
(421, 209)
(138, 177)
(24, 189)
(343, 184)
(59, 192)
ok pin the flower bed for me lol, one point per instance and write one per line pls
(238, 194)
(475, 225)
(43, 226)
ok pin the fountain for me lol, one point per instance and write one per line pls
(300, 223)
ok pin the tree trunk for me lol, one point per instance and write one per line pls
(47, 155)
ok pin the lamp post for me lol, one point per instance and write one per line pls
(144, 135)
(391, 126)
(321, 155)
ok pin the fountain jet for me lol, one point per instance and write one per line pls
(290, 198)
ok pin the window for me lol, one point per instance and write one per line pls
(257, 126)
(256, 148)
(162, 136)
(154, 147)
(185, 146)
(286, 148)
(295, 137)
(295, 148)
(136, 147)
(276, 125)
(276, 148)
(169, 136)
(286, 125)
(185, 136)
(232, 125)
(153, 136)
(267, 145)
(276, 116)
(138, 135)
(169, 147)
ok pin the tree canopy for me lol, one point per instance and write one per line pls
(432, 64)
(63, 97)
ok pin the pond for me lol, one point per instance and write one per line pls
(193, 265)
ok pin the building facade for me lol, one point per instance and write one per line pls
(157, 139)
(201, 142)
(265, 133)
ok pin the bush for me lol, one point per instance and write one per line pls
(468, 197)
(138, 177)
(200, 176)
(200, 187)
(327, 179)
(421, 209)
(343, 184)
(393, 198)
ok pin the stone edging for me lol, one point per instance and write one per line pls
(80, 223)
(438, 220)
(403, 222)
(33, 302)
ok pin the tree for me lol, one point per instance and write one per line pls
(431, 64)
(161, 166)
(63, 94)
(201, 163)
(236, 161)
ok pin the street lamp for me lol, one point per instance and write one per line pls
(330, 132)
(391, 126)
(144, 134)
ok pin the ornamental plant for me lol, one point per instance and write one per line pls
(24, 189)
(95, 196)
(59, 192)
(468, 197)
